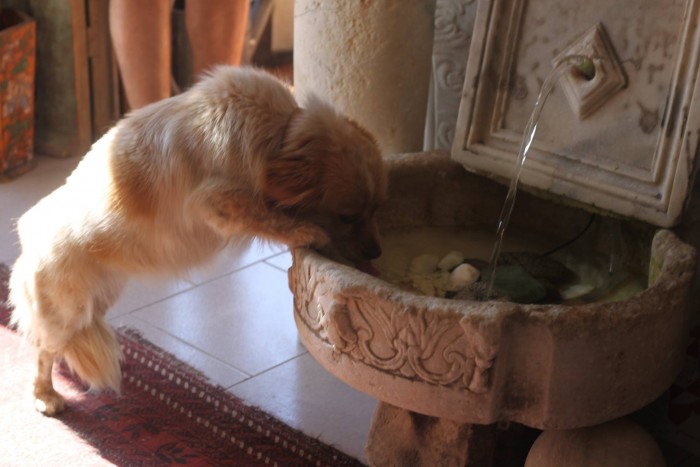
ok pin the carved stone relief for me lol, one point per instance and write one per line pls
(454, 21)
(635, 154)
(412, 343)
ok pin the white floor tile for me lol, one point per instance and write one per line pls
(244, 319)
(217, 371)
(18, 195)
(141, 292)
(305, 396)
(233, 258)
(282, 261)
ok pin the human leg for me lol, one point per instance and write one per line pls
(217, 31)
(141, 35)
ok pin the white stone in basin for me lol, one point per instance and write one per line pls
(546, 366)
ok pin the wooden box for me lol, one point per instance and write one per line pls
(17, 72)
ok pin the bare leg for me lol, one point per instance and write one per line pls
(217, 31)
(46, 399)
(141, 36)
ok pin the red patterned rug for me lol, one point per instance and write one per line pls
(167, 414)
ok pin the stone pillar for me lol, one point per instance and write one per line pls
(400, 437)
(371, 58)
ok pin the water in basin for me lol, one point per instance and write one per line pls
(586, 278)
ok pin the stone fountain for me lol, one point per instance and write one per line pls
(622, 145)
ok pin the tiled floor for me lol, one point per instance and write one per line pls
(232, 320)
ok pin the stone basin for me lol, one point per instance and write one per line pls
(545, 366)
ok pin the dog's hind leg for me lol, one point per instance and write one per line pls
(29, 306)
(93, 352)
(90, 350)
(46, 399)
(62, 313)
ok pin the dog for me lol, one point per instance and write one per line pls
(171, 184)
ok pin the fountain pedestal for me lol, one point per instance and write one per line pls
(402, 437)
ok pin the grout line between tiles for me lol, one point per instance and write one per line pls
(267, 370)
(138, 308)
(276, 267)
(248, 375)
(221, 276)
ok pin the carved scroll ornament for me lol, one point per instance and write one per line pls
(410, 342)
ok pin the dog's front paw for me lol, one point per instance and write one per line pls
(48, 401)
(310, 235)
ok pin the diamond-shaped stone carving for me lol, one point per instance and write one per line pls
(584, 95)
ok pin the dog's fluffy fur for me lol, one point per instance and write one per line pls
(168, 187)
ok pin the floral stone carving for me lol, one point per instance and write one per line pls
(410, 342)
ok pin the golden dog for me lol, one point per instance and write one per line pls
(163, 191)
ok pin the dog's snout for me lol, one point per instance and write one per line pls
(372, 251)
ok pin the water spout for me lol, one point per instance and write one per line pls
(586, 67)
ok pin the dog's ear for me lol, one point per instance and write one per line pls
(293, 179)
(294, 176)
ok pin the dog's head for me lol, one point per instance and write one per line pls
(330, 172)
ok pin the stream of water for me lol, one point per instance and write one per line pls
(586, 67)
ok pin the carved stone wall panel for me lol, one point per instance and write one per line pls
(635, 154)
(454, 21)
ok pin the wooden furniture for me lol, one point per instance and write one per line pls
(77, 92)
(17, 48)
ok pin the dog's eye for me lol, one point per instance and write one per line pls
(348, 218)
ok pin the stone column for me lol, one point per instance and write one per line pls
(400, 437)
(371, 58)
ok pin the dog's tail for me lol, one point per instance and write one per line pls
(94, 354)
